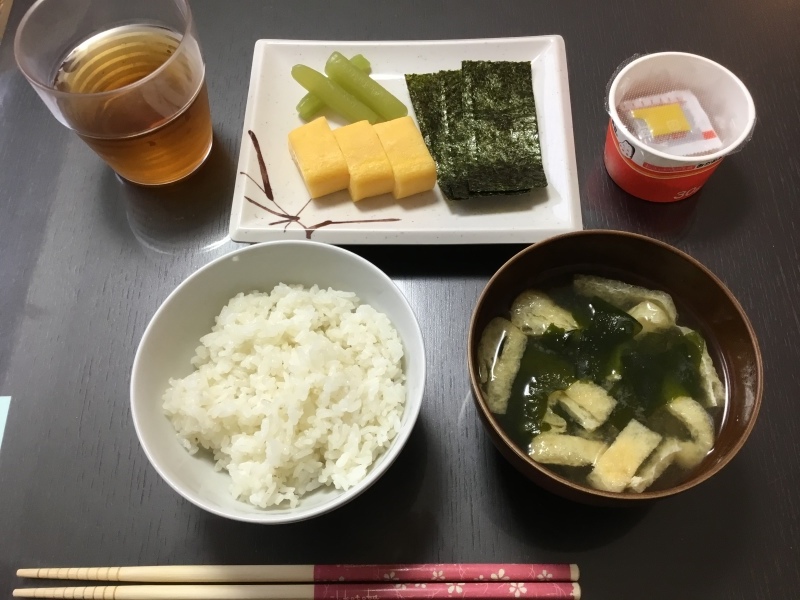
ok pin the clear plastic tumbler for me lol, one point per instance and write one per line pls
(127, 76)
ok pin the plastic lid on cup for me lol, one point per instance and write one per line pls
(681, 106)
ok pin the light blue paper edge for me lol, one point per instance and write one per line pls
(5, 403)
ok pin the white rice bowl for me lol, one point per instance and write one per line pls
(293, 389)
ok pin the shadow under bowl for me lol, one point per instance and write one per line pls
(703, 302)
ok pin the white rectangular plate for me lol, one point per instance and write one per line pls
(422, 219)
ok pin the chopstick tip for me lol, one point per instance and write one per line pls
(574, 572)
(19, 593)
(30, 573)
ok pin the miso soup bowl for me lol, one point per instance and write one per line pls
(703, 303)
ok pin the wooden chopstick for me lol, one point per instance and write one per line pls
(397, 573)
(381, 591)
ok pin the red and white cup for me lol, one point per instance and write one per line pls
(652, 174)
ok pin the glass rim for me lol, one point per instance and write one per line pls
(183, 4)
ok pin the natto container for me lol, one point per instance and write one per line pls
(655, 175)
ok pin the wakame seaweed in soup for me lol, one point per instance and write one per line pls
(598, 381)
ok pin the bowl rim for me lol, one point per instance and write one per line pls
(616, 497)
(292, 515)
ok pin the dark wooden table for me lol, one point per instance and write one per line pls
(85, 260)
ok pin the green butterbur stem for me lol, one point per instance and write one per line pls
(361, 63)
(363, 87)
(333, 95)
(309, 105)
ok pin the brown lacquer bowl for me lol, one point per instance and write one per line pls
(703, 303)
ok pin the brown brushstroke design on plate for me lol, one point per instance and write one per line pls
(284, 217)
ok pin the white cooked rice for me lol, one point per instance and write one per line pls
(293, 389)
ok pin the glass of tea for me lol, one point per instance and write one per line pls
(127, 76)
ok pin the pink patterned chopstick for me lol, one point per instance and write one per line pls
(392, 574)
(447, 572)
(326, 591)
(506, 590)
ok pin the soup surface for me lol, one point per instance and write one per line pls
(599, 381)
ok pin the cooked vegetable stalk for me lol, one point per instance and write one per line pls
(333, 95)
(310, 105)
(363, 87)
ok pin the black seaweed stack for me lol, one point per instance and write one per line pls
(480, 126)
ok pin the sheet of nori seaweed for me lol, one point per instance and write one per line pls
(504, 155)
(498, 87)
(454, 138)
(424, 92)
(437, 98)
(479, 124)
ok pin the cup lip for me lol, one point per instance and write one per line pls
(683, 160)
(616, 497)
(49, 89)
(297, 514)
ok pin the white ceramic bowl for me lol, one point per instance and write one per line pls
(188, 313)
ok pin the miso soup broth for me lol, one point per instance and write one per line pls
(602, 382)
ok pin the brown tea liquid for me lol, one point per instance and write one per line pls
(154, 137)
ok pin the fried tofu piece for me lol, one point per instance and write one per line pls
(661, 458)
(690, 455)
(700, 426)
(615, 469)
(622, 295)
(556, 423)
(568, 450)
(533, 312)
(587, 403)
(651, 316)
(714, 390)
(500, 351)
